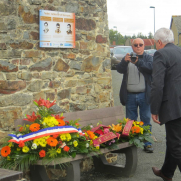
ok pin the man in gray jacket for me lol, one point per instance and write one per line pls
(136, 85)
(166, 99)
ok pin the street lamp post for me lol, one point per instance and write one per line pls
(154, 17)
(116, 34)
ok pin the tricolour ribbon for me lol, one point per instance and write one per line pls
(44, 132)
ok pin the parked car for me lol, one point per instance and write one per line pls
(118, 53)
(150, 51)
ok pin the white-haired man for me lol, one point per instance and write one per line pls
(135, 88)
(166, 99)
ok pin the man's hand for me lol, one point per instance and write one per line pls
(127, 58)
(155, 118)
(135, 61)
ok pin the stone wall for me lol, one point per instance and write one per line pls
(79, 78)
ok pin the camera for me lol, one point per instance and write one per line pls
(133, 56)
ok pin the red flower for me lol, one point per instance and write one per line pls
(100, 132)
(48, 104)
(66, 148)
(42, 153)
(61, 122)
(5, 151)
(55, 135)
(21, 144)
(31, 118)
(58, 117)
(21, 129)
(34, 127)
(40, 102)
(52, 141)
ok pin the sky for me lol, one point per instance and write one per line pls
(135, 16)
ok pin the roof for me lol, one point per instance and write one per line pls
(147, 42)
(177, 21)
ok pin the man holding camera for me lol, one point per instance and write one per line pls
(136, 84)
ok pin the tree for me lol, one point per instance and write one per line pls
(150, 35)
(140, 35)
(116, 36)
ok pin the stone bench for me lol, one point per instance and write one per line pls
(10, 175)
(107, 116)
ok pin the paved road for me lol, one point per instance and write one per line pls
(145, 160)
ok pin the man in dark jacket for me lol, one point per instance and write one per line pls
(135, 88)
(166, 99)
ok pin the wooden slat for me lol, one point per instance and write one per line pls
(78, 157)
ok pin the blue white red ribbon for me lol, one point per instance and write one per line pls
(44, 132)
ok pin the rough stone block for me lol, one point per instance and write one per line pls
(10, 76)
(101, 39)
(2, 76)
(3, 46)
(64, 94)
(61, 66)
(18, 99)
(34, 35)
(43, 65)
(54, 84)
(90, 64)
(85, 24)
(10, 87)
(7, 67)
(83, 45)
(35, 86)
(21, 45)
(69, 56)
(7, 117)
(24, 75)
(32, 54)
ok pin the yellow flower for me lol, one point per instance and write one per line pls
(91, 142)
(141, 130)
(78, 135)
(68, 136)
(50, 122)
(25, 149)
(58, 151)
(75, 143)
(95, 137)
(97, 147)
(8, 158)
(27, 125)
(63, 137)
(18, 149)
(10, 144)
(36, 141)
(86, 134)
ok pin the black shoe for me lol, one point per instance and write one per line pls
(148, 149)
(158, 173)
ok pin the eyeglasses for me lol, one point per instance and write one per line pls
(136, 45)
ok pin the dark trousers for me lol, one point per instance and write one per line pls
(173, 150)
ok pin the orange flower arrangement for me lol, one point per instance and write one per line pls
(34, 127)
(141, 123)
(5, 151)
(66, 148)
(21, 144)
(21, 129)
(61, 122)
(135, 129)
(42, 153)
(52, 141)
(91, 134)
